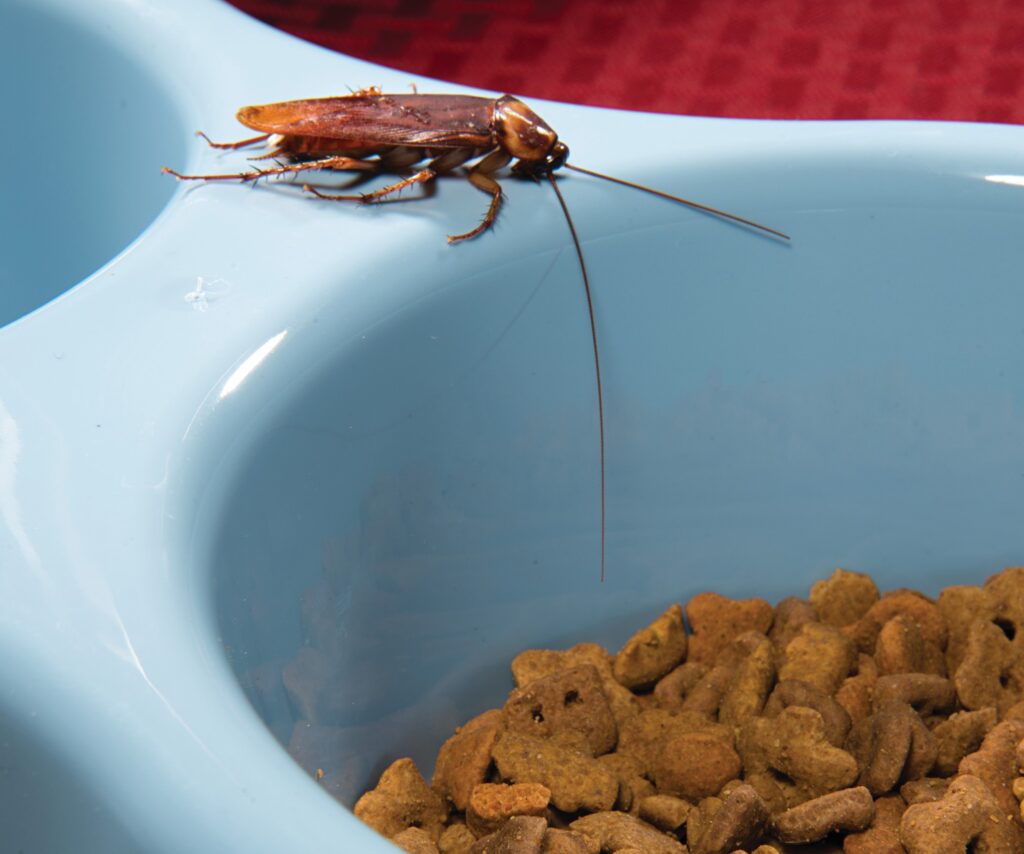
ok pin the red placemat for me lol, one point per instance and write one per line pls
(822, 59)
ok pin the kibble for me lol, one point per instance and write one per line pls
(889, 721)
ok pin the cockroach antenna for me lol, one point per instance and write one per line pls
(597, 356)
(690, 204)
(590, 299)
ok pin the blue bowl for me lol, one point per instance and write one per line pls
(297, 477)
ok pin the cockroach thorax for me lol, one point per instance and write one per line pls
(520, 131)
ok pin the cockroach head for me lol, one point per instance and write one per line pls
(524, 134)
(559, 154)
(537, 169)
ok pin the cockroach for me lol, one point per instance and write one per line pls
(371, 132)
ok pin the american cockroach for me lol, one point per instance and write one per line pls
(371, 132)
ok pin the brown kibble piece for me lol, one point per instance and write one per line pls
(738, 822)
(923, 750)
(1007, 591)
(925, 790)
(794, 692)
(456, 839)
(673, 687)
(400, 800)
(706, 695)
(900, 648)
(819, 655)
(716, 621)
(560, 841)
(854, 695)
(638, 789)
(883, 835)
(570, 701)
(653, 651)
(867, 667)
(752, 680)
(989, 674)
(794, 744)
(780, 794)
(881, 745)
(888, 812)
(995, 763)
(960, 606)
(695, 766)
(534, 663)
(628, 770)
(616, 831)
(700, 817)
(415, 840)
(644, 736)
(740, 649)
(665, 812)
(575, 781)
(492, 804)
(464, 759)
(926, 692)
(844, 597)
(960, 734)
(1018, 786)
(846, 810)
(1015, 712)
(790, 615)
(521, 834)
(873, 841)
(890, 746)
(911, 604)
(949, 825)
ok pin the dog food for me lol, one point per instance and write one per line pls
(885, 723)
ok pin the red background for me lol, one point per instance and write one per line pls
(822, 59)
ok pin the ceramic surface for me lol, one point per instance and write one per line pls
(294, 474)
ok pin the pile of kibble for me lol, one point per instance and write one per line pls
(889, 724)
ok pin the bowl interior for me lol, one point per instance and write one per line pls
(89, 128)
(49, 804)
(421, 501)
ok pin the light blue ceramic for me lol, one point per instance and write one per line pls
(282, 473)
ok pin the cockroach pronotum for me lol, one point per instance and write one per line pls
(370, 132)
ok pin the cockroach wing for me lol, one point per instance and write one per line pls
(371, 121)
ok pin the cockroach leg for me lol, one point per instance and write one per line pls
(242, 143)
(438, 166)
(331, 197)
(481, 177)
(335, 162)
(421, 177)
(488, 185)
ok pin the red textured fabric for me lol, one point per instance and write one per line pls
(822, 59)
